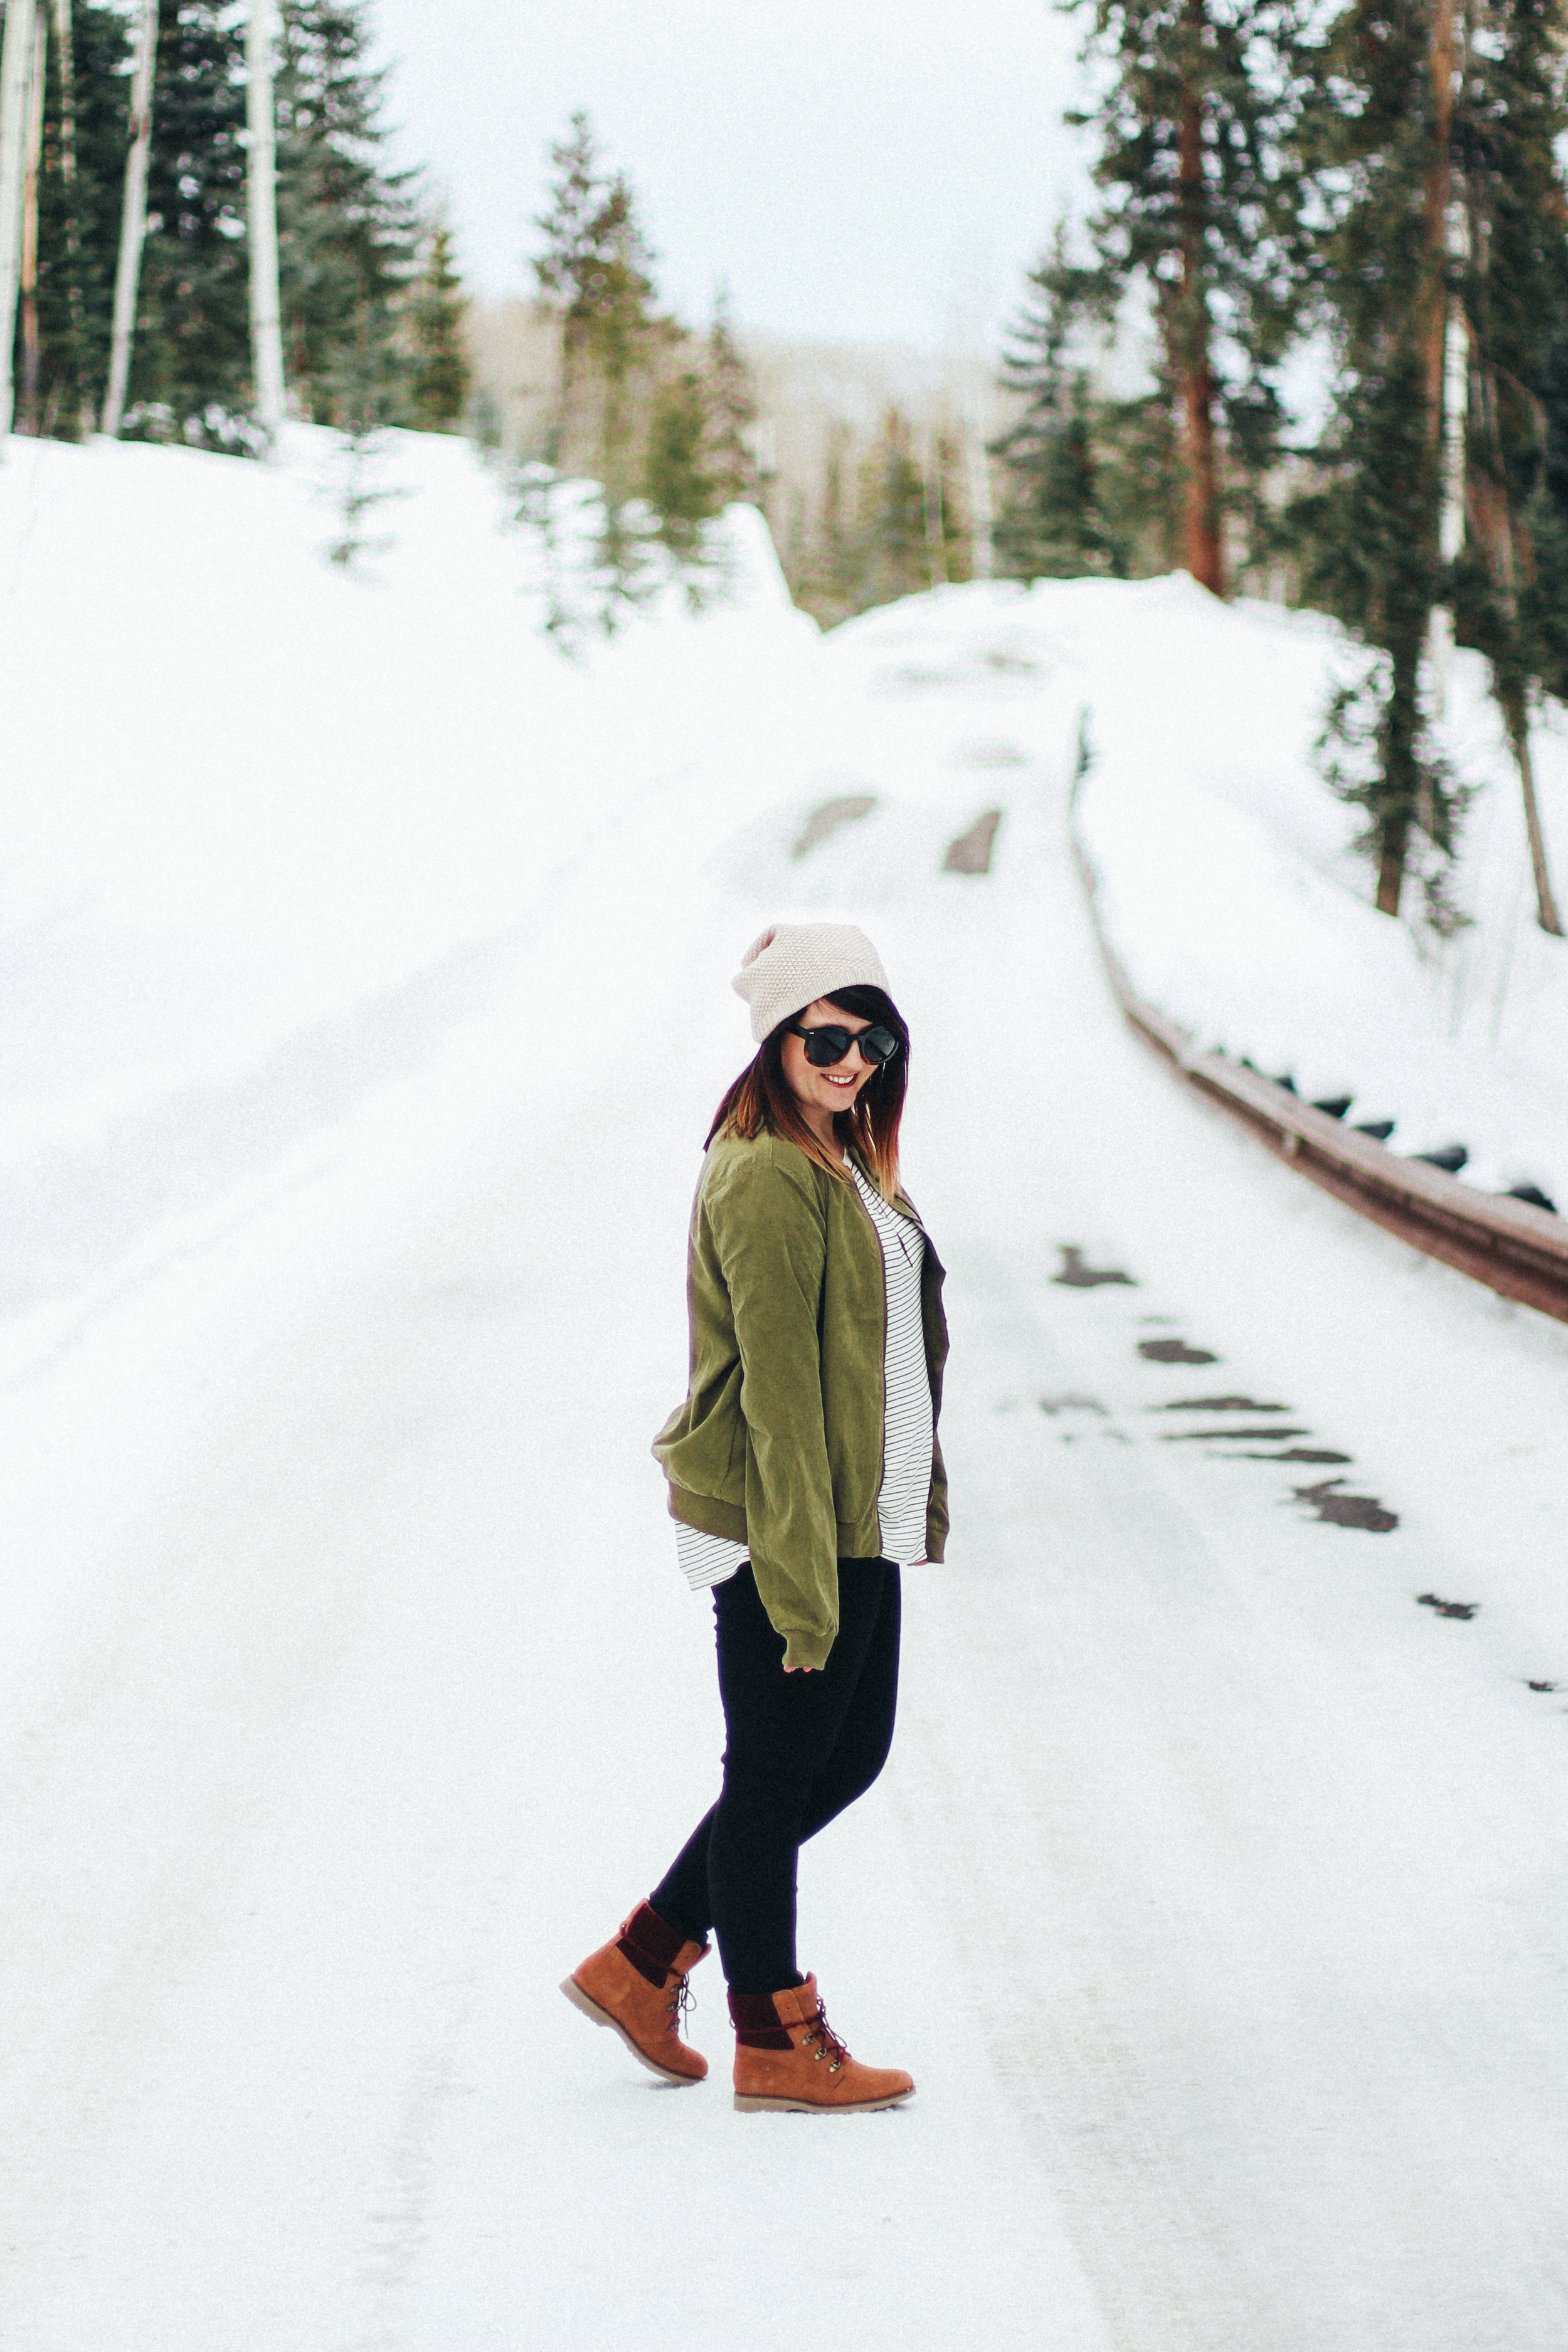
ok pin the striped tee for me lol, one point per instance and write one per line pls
(907, 1447)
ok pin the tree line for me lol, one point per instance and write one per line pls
(1381, 185)
(198, 208)
(658, 417)
(137, 134)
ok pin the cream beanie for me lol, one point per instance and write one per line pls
(792, 964)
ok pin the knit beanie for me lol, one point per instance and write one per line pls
(792, 964)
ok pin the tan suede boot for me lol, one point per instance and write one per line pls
(787, 2056)
(636, 1984)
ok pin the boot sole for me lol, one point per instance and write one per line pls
(590, 2009)
(758, 2106)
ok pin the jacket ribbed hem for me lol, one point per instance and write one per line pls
(855, 1538)
(708, 1514)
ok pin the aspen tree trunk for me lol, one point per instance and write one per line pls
(134, 220)
(1436, 197)
(1195, 370)
(31, 226)
(1515, 699)
(1546, 913)
(15, 74)
(261, 184)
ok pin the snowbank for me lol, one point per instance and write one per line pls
(1227, 877)
(270, 827)
(1229, 887)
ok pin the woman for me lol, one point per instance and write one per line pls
(803, 1471)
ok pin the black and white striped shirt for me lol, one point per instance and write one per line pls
(907, 1443)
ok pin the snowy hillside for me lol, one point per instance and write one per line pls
(1231, 894)
(366, 1001)
(272, 829)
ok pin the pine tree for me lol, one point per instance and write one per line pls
(1094, 483)
(441, 376)
(679, 481)
(1373, 139)
(731, 413)
(1510, 578)
(348, 235)
(595, 275)
(1052, 521)
(827, 583)
(190, 375)
(1197, 101)
(895, 555)
(1142, 483)
(79, 215)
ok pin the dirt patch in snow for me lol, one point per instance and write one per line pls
(1174, 1352)
(971, 852)
(1075, 1276)
(1201, 1436)
(1347, 1510)
(849, 808)
(1323, 1453)
(1222, 1404)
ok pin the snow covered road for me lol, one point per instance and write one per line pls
(1215, 1892)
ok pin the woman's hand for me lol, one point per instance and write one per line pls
(800, 1670)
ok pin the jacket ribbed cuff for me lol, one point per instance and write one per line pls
(806, 1648)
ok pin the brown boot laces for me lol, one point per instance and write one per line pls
(682, 2004)
(832, 2048)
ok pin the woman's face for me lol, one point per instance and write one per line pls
(832, 1089)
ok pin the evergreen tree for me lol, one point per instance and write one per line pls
(828, 581)
(1198, 96)
(348, 236)
(1373, 141)
(1052, 520)
(594, 273)
(440, 374)
(1093, 484)
(595, 277)
(894, 550)
(78, 219)
(731, 413)
(1512, 584)
(680, 480)
(190, 375)
(1141, 484)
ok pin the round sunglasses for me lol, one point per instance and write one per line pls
(830, 1043)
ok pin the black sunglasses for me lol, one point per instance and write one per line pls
(830, 1043)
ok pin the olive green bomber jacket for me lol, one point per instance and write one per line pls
(779, 1442)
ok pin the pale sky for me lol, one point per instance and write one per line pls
(860, 169)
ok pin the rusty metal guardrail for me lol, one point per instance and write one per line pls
(1517, 1250)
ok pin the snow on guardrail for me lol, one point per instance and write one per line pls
(1519, 1251)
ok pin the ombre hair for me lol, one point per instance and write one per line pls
(763, 1102)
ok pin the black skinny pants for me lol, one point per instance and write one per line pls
(798, 1749)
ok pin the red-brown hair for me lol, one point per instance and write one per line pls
(762, 1101)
